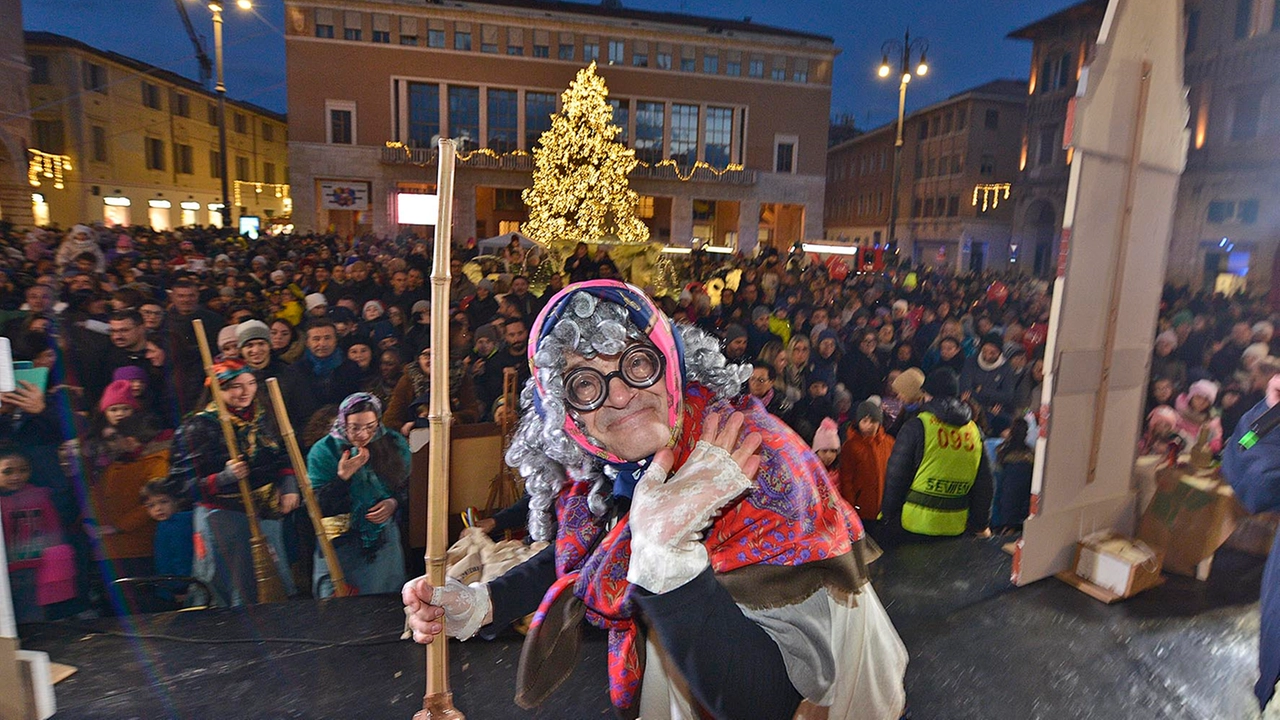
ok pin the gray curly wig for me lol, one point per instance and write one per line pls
(542, 452)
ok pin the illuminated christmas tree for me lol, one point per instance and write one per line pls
(580, 191)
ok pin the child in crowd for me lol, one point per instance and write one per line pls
(1014, 462)
(174, 546)
(826, 445)
(41, 566)
(863, 459)
(1195, 410)
(104, 442)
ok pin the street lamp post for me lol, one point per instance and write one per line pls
(221, 88)
(905, 47)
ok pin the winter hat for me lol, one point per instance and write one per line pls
(1255, 352)
(278, 277)
(252, 330)
(908, 385)
(342, 315)
(128, 373)
(1207, 389)
(227, 335)
(222, 258)
(733, 331)
(487, 331)
(77, 229)
(486, 283)
(1264, 327)
(759, 312)
(901, 305)
(827, 437)
(871, 409)
(315, 300)
(942, 383)
(382, 310)
(420, 307)
(1162, 414)
(994, 338)
(259, 260)
(1167, 337)
(119, 392)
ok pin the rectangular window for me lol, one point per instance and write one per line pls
(215, 164)
(341, 130)
(1046, 75)
(800, 73)
(538, 109)
(916, 208)
(953, 206)
(962, 119)
(684, 134)
(213, 114)
(1248, 212)
(39, 69)
(424, 114)
(639, 59)
(924, 129)
(733, 68)
(778, 73)
(718, 137)
(268, 172)
(464, 116)
(242, 168)
(184, 159)
(1245, 113)
(351, 34)
(784, 157)
(268, 132)
(382, 36)
(992, 120)
(664, 60)
(99, 143)
(621, 115)
(48, 136)
(413, 39)
(154, 152)
(515, 50)
(241, 123)
(987, 165)
(590, 51)
(181, 105)
(617, 52)
(1221, 211)
(542, 51)
(1049, 138)
(947, 121)
(932, 168)
(1244, 18)
(687, 64)
(711, 64)
(94, 77)
(650, 117)
(565, 52)
(1066, 70)
(324, 31)
(461, 40)
(504, 118)
(755, 68)
(435, 38)
(488, 47)
(928, 207)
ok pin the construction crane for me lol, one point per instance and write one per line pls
(202, 57)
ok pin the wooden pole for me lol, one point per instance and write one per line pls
(265, 574)
(340, 587)
(437, 703)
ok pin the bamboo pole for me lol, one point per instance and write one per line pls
(437, 703)
(340, 587)
(266, 577)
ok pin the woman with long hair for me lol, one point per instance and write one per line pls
(203, 471)
(360, 473)
(285, 343)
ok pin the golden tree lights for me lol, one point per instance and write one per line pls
(580, 190)
(48, 166)
(278, 189)
(990, 195)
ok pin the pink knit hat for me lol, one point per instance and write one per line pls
(827, 437)
(119, 392)
(1207, 389)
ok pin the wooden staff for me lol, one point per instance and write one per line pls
(340, 587)
(437, 703)
(265, 574)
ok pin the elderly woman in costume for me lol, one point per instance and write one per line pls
(202, 469)
(360, 473)
(695, 527)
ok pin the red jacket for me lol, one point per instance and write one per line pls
(862, 470)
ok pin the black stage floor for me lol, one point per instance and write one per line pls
(979, 649)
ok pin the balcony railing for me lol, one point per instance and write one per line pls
(486, 159)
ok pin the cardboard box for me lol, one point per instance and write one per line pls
(1110, 567)
(1191, 515)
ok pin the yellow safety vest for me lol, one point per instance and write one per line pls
(938, 501)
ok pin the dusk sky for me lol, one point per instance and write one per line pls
(967, 44)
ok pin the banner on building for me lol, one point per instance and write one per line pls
(344, 195)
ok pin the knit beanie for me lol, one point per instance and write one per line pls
(252, 330)
(942, 383)
(827, 437)
(1207, 389)
(129, 372)
(487, 331)
(733, 331)
(759, 312)
(119, 392)
(227, 335)
(994, 338)
(315, 300)
(871, 409)
(908, 385)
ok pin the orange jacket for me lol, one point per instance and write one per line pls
(117, 503)
(862, 466)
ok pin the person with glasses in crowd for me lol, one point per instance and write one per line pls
(360, 472)
(685, 520)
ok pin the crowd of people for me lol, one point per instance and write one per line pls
(113, 462)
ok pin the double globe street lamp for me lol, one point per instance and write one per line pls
(905, 48)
